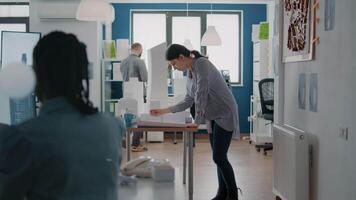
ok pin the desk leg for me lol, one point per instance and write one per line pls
(128, 146)
(175, 138)
(184, 157)
(190, 168)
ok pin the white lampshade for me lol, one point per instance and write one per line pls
(211, 37)
(188, 44)
(17, 80)
(95, 10)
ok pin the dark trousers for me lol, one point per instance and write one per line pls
(220, 141)
(136, 138)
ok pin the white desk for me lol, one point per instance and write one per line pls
(187, 144)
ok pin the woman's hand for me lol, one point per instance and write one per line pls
(159, 112)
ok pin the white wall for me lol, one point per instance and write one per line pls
(270, 20)
(87, 32)
(334, 172)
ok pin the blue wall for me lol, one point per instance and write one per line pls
(252, 14)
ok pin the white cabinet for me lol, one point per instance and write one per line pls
(261, 67)
(260, 128)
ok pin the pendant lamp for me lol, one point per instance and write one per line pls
(211, 36)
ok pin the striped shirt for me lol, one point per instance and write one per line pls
(212, 97)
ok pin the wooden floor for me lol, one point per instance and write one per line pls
(253, 170)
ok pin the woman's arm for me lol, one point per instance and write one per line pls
(201, 96)
(181, 106)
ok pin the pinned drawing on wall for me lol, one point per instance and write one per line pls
(298, 29)
(329, 15)
(313, 93)
(302, 91)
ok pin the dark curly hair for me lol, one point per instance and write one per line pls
(61, 63)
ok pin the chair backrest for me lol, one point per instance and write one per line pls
(266, 89)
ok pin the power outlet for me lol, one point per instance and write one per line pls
(344, 133)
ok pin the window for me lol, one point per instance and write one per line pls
(149, 30)
(150, 27)
(226, 56)
(14, 17)
(186, 28)
(14, 10)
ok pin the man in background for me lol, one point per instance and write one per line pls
(134, 66)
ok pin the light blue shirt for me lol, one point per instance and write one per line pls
(61, 155)
(212, 97)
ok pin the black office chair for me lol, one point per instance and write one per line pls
(266, 89)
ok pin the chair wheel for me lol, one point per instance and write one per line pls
(250, 142)
(265, 153)
(174, 142)
(258, 149)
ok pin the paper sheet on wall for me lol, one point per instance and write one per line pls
(302, 91)
(264, 31)
(329, 15)
(313, 92)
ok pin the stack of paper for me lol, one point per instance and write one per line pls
(167, 120)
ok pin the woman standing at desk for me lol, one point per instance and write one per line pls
(214, 104)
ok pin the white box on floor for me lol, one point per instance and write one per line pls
(163, 173)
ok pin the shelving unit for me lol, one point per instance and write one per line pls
(111, 84)
(260, 128)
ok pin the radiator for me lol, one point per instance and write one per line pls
(290, 163)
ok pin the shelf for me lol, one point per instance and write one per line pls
(113, 80)
(111, 60)
(111, 100)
